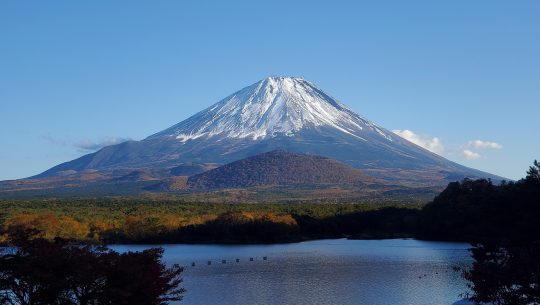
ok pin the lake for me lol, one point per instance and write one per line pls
(321, 272)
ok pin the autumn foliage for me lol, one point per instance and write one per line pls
(171, 222)
(49, 226)
(35, 271)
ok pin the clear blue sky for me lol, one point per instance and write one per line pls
(78, 74)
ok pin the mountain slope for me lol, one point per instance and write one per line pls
(279, 168)
(283, 113)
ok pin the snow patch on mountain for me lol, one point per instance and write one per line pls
(272, 107)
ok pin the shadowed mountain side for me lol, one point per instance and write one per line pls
(190, 169)
(169, 184)
(279, 168)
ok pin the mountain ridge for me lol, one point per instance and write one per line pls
(283, 113)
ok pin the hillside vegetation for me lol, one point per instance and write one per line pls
(130, 220)
(478, 210)
(501, 221)
(279, 168)
(464, 211)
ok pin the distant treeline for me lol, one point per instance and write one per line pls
(465, 211)
(129, 220)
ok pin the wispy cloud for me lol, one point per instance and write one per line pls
(53, 140)
(479, 144)
(89, 146)
(85, 145)
(471, 155)
(432, 144)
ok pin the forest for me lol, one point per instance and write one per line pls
(478, 211)
(470, 210)
(132, 220)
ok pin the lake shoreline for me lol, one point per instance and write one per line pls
(232, 242)
(285, 242)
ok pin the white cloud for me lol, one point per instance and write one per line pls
(89, 146)
(484, 144)
(432, 144)
(85, 145)
(471, 155)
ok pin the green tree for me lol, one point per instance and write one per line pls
(505, 274)
(533, 174)
(506, 267)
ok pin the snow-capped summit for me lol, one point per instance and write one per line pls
(271, 107)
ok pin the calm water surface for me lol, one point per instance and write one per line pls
(322, 272)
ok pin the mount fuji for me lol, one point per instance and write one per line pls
(276, 113)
